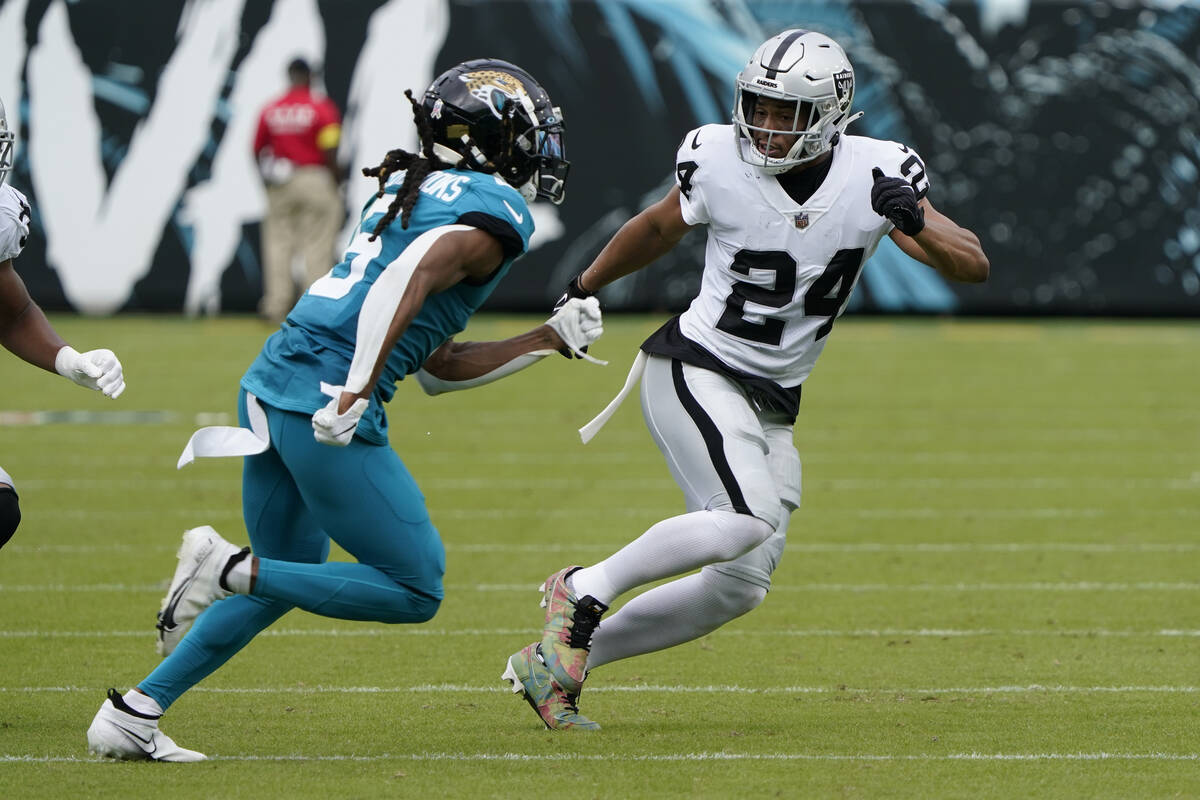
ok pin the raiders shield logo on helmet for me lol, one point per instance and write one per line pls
(843, 84)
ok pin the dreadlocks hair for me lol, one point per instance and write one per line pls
(419, 165)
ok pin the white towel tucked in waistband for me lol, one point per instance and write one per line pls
(217, 441)
(635, 374)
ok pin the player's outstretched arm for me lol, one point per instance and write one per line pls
(650, 234)
(464, 365)
(25, 331)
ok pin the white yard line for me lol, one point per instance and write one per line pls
(455, 688)
(425, 630)
(672, 757)
(1097, 548)
(1035, 586)
(851, 588)
(647, 513)
(1190, 482)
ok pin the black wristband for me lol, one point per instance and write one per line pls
(575, 288)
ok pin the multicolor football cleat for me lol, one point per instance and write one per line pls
(557, 708)
(567, 635)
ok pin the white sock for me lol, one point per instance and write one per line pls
(671, 547)
(594, 581)
(672, 614)
(238, 577)
(142, 703)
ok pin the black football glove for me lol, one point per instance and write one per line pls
(573, 290)
(896, 199)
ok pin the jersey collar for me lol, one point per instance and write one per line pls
(820, 201)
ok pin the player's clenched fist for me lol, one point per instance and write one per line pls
(896, 199)
(337, 429)
(574, 291)
(95, 369)
(578, 323)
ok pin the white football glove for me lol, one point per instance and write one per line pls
(330, 427)
(95, 369)
(577, 322)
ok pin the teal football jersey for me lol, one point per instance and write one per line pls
(315, 344)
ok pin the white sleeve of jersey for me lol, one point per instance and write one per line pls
(692, 203)
(14, 222)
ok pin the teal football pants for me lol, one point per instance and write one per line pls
(297, 497)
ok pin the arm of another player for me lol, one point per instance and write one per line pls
(951, 249)
(25, 331)
(650, 234)
(328, 139)
(465, 365)
(329, 136)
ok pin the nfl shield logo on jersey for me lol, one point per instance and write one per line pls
(801, 221)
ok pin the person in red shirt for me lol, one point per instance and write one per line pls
(296, 150)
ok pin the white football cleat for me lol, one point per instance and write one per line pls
(203, 557)
(117, 731)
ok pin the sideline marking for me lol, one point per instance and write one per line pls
(84, 417)
(1098, 548)
(1034, 586)
(680, 757)
(648, 689)
(423, 630)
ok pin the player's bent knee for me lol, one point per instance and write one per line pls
(735, 594)
(741, 533)
(426, 609)
(744, 533)
(415, 608)
(10, 513)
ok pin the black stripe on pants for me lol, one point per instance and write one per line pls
(712, 439)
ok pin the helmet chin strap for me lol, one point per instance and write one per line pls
(528, 189)
(445, 154)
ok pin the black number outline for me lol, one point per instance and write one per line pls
(914, 165)
(733, 321)
(27, 215)
(683, 173)
(841, 273)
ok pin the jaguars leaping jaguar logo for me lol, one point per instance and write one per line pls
(494, 89)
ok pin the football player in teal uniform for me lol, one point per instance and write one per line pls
(443, 230)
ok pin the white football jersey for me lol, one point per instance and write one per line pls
(14, 222)
(776, 273)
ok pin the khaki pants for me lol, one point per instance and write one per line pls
(304, 214)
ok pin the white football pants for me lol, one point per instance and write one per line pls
(727, 457)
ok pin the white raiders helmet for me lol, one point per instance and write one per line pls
(802, 67)
(7, 143)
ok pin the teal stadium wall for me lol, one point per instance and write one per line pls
(1066, 134)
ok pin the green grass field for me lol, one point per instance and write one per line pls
(990, 591)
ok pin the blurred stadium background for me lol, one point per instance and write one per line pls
(1066, 133)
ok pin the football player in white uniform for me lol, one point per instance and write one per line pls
(794, 207)
(23, 327)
